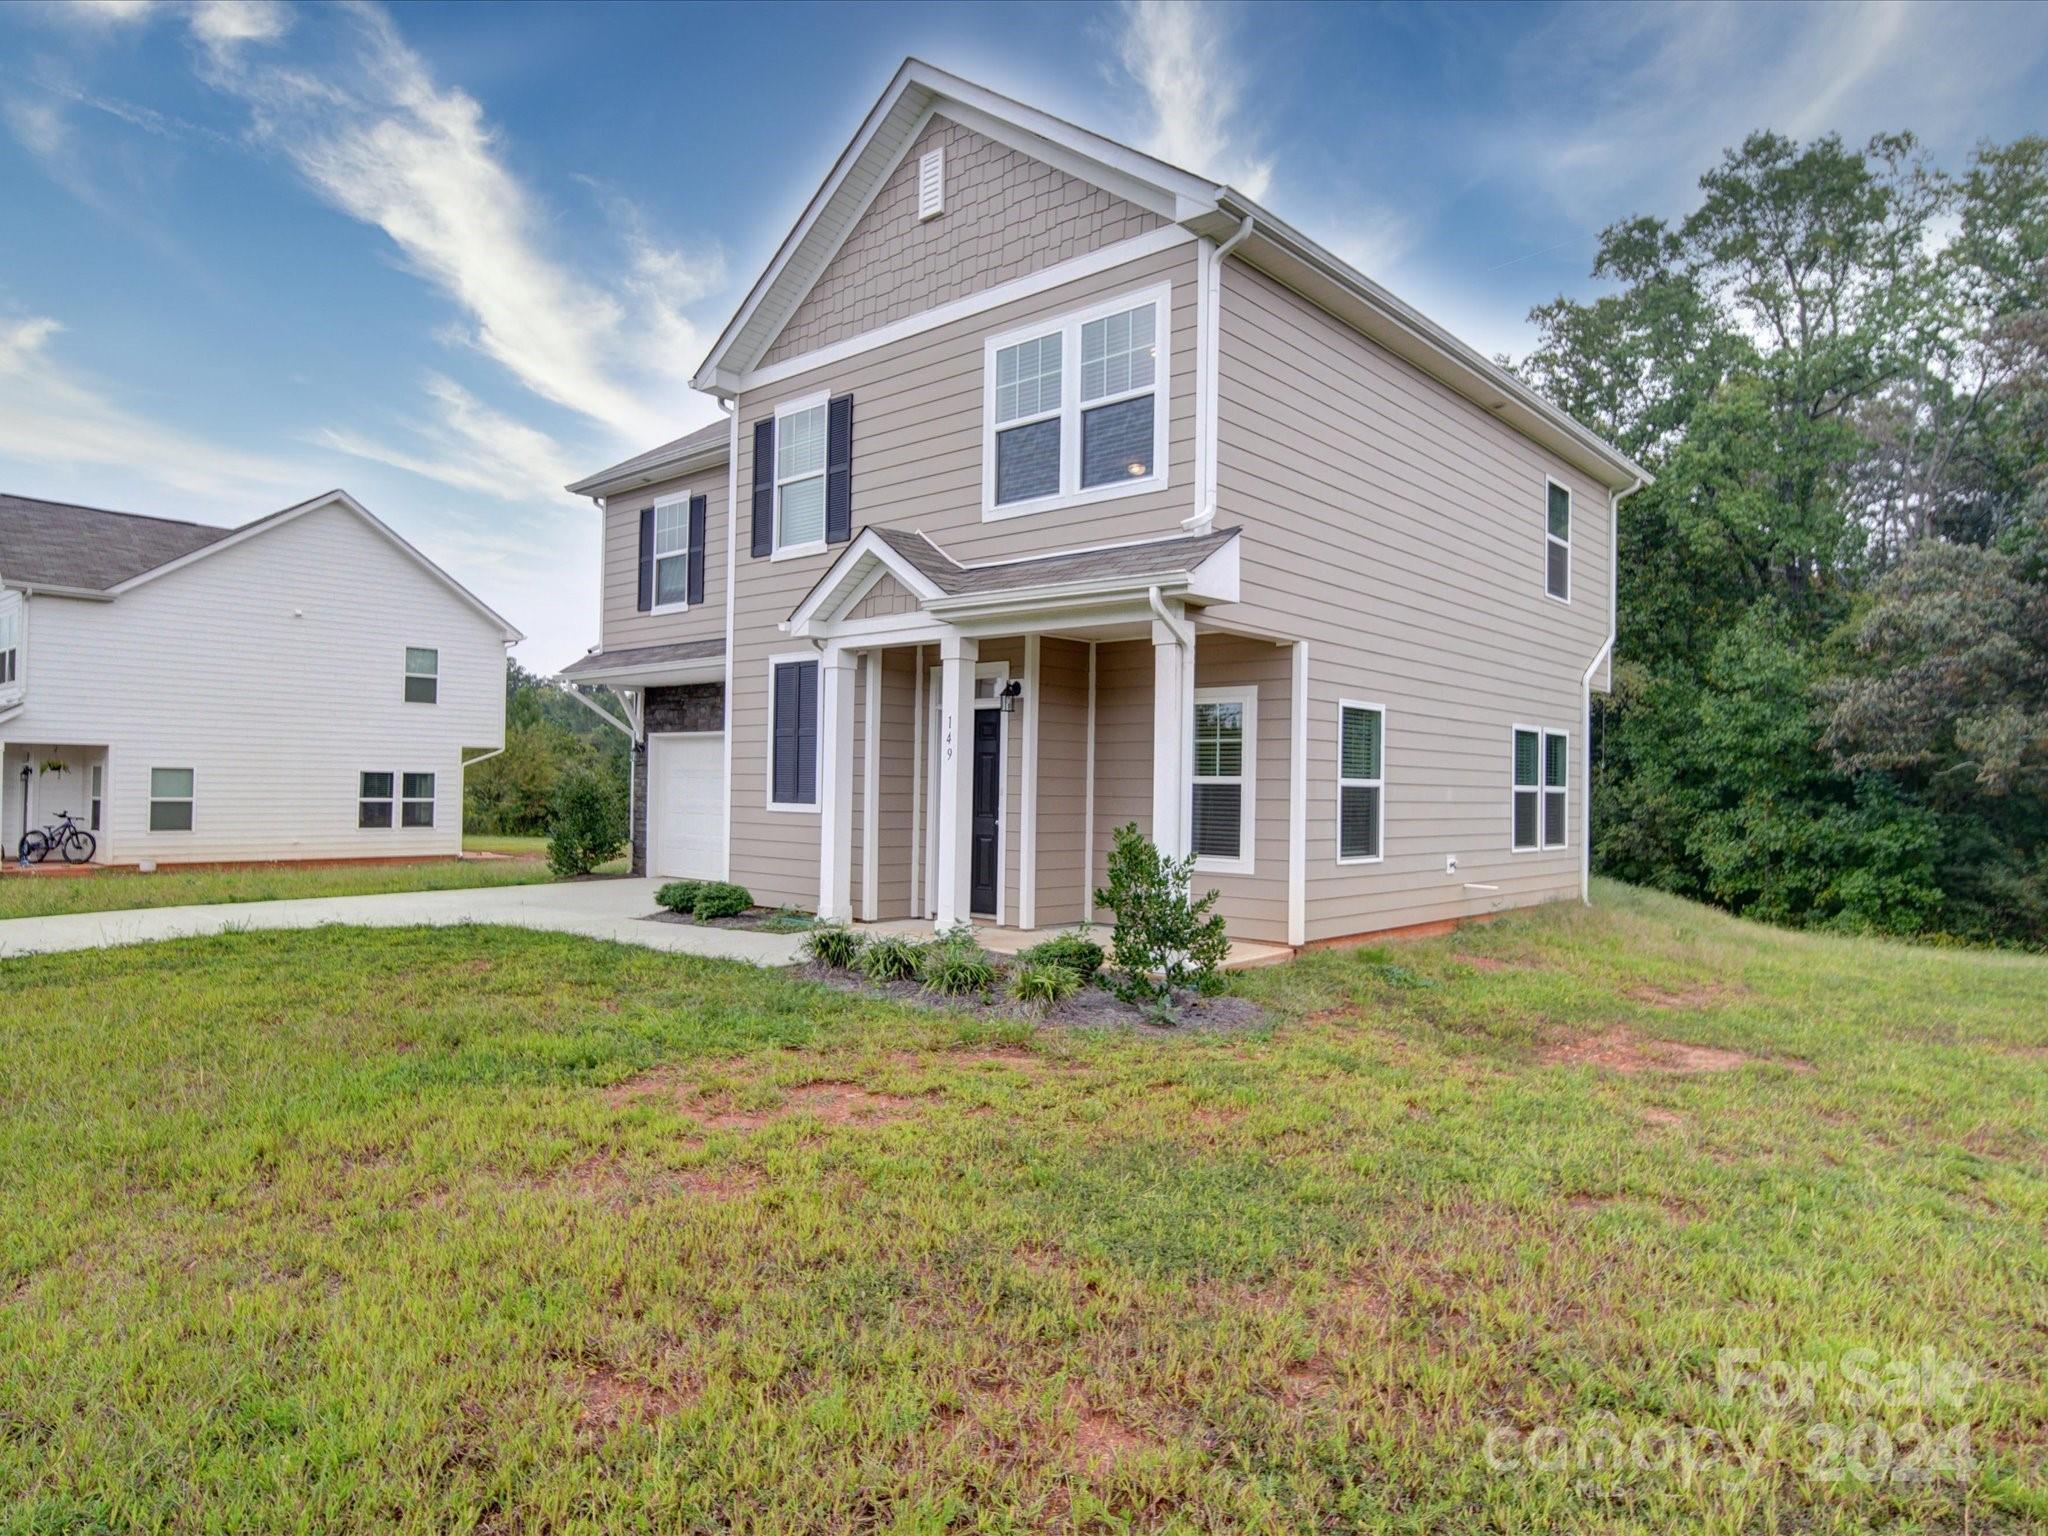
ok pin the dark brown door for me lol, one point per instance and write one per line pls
(988, 796)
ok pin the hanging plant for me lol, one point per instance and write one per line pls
(56, 765)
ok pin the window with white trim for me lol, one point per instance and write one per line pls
(1361, 782)
(375, 793)
(170, 799)
(1556, 789)
(800, 479)
(793, 735)
(95, 796)
(416, 800)
(1542, 791)
(1222, 798)
(1076, 407)
(1557, 570)
(422, 675)
(10, 640)
(672, 552)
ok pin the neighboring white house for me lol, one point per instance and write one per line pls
(307, 686)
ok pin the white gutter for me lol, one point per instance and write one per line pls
(1182, 635)
(1211, 321)
(1614, 501)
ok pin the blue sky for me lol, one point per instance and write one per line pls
(450, 257)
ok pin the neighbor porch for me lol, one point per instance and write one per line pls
(40, 781)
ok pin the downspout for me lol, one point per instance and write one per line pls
(1212, 351)
(1614, 502)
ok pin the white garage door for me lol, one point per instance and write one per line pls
(686, 804)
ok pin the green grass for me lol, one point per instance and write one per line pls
(470, 1230)
(39, 895)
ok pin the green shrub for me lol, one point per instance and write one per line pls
(718, 899)
(956, 966)
(1076, 951)
(836, 946)
(679, 895)
(788, 920)
(1164, 939)
(891, 958)
(588, 827)
(1044, 982)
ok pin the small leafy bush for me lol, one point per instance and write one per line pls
(1165, 939)
(1044, 982)
(836, 946)
(719, 899)
(788, 920)
(891, 958)
(587, 825)
(679, 895)
(956, 966)
(1076, 951)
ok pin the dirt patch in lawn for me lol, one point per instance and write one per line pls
(1494, 963)
(1704, 995)
(608, 1399)
(1663, 1119)
(1102, 1439)
(1620, 1050)
(835, 1103)
(1090, 1008)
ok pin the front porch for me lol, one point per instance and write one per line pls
(39, 781)
(982, 731)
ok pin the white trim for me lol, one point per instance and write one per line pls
(1246, 697)
(1088, 804)
(190, 799)
(434, 676)
(1204, 380)
(1072, 407)
(1380, 783)
(835, 785)
(871, 790)
(783, 659)
(1546, 790)
(1514, 789)
(1027, 789)
(831, 587)
(1000, 672)
(817, 400)
(1079, 268)
(1549, 538)
(1297, 797)
(653, 857)
(931, 185)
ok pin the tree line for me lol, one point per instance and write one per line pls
(1831, 683)
(551, 743)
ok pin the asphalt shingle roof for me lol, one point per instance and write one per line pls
(646, 656)
(687, 446)
(56, 544)
(1156, 557)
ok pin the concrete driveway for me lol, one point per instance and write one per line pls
(597, 909)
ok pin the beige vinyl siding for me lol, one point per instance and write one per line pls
(624, 625)
(1255, 905)
(1062, 779)
(898, 751)
(1402, 530)
(1006, 216)
(1123, 745)
(917, 464)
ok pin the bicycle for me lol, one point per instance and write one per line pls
(64, 837)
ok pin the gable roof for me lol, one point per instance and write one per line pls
(61, 548)
(700, 449)
(1197, 203)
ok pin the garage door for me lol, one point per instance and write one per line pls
(686, 795)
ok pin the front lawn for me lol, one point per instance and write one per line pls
(486, 1230)
(522, 861)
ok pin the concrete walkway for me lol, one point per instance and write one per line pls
(597, 909)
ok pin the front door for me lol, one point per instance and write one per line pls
(988, 800)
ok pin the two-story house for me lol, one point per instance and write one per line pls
(1060, 488)
(305, 686)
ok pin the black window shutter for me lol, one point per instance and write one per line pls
(785, 734)
(764, 488)
(698, 504)
(807, 733)
(646, 558)
(839, 471)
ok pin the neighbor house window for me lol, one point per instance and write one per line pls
(1222, 796)
(374, 794)
(1361, 782)
(170, 799)
(95, 795)
(1557, 576)
(672, 552)
(800, 479)
(1076, 407)
(793, 757)
(422, 675)
(1556, 791)
(10, 640)
(416, 803)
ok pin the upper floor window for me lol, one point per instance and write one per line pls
(1557, 575)
(1075, 408)
(800, 477)
(422, 675)
(10, 643)
(672, 552)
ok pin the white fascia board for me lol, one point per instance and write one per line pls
(659, 676)
(650, 474)
(1024, 602)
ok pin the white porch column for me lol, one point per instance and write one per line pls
(953, 791)
(871, 788)
(835, 785)
(1172, 672)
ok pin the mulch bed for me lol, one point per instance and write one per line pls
(753, 917)
(1090, 1008)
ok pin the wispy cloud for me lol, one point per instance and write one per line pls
(225, 25)
(384, 142)
(1180, 55)
(50, 414)
(466, 445)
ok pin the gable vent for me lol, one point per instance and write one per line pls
(931, 184)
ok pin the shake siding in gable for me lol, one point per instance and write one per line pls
(624, 625)
(1401, 529)
(917, 463)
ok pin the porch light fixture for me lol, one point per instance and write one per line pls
(1007, 699)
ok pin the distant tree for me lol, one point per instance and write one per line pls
(548, 736)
